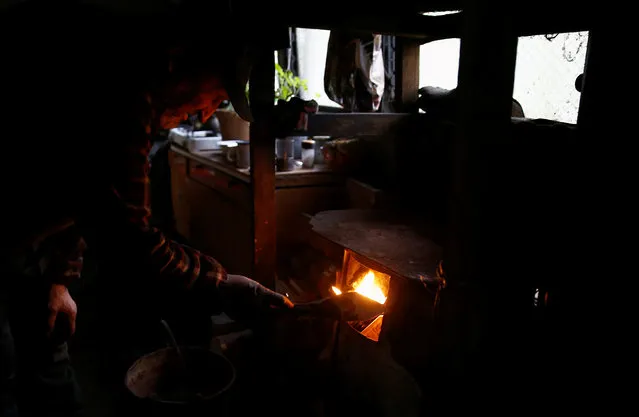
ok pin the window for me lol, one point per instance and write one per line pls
(545, 73)
(439, 63)
(547, 66)
(312, 46)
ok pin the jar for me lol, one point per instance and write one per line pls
(320, 141)
(297, 145)
(308, 153)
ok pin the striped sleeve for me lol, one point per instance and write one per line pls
(185, 267)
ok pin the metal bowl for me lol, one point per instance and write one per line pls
(162, 378)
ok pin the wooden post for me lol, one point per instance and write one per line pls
(261, 90)
(477, 260)
(486, 75)
(592, 102)
(607, 169)
(407, 74)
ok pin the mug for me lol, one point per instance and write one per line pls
(228, 147)
(240, 154)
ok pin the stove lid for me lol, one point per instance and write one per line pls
(384, 238)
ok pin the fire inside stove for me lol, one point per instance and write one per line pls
(367, 282)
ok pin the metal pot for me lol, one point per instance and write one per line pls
(165, 385)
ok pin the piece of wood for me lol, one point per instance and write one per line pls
(481, 254)
(591, 103)
(486, 76)
(363, 196)
(415, 26)
(357, 124)
(263, 168)
(407, 74)
(349, 7)
(291, 202)
(526, 21)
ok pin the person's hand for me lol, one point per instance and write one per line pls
(246, 299)
(60, 301)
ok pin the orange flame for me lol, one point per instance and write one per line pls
(367, 287)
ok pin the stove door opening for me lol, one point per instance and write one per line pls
(359, 278)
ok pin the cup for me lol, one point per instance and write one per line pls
(243, 154)
(308, 153)
(284, 153)
(297, 145)
(228, 149)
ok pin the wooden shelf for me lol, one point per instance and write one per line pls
(379, 124)
(319, 175)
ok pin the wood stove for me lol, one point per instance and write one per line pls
(389, 261)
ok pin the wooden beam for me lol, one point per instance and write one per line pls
(356, 124)
(263, 167)
(407, 74)
(553, 19)
(416, 26)
(488, 56)
(525, 22)
(339, 6)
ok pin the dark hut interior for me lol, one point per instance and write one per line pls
(457, 211)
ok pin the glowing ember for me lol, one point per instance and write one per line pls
(336, 290)
(369, 288)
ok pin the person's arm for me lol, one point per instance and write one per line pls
(63, 256)
(115, 218)
(183, 265)
(61, 260)
(115, 212)
(124, 230)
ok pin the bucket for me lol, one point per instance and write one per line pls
(161, 385)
